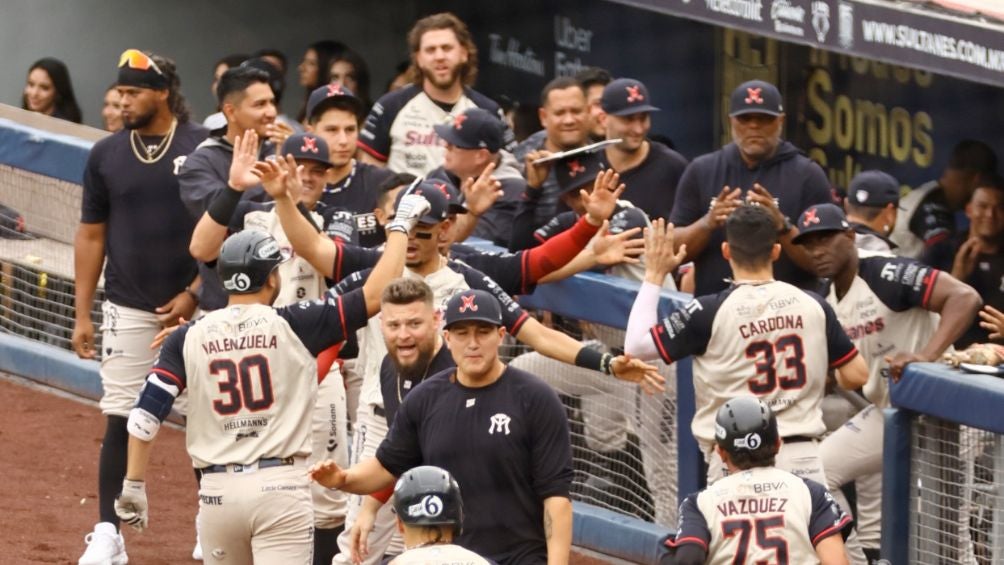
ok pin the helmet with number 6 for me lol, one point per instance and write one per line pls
(246, 260)
(746, 424)
(429, 496)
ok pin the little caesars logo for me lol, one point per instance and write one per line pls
(788, 18)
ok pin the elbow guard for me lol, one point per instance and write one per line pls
(152, 408)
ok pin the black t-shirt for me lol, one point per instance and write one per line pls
(651, 185)
(147, 226)
(395, 388)
(358, 192)
(789, 176)
(507, 444)
(988, 280)
(934, 223)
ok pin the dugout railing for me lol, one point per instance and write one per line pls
(41, 169)
(943, 468)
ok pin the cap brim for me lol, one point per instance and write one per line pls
(635, 110)
(456, 208)
(449, 135)
(322, 106)
(801, 234)
(578, 184)
(745, 111)
(482, 319)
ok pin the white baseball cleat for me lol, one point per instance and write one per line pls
(105, 546)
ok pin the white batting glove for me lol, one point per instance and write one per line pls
(409, 212)
(131, 505)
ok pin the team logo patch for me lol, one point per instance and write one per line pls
(575, 167)
(720, 432)
(335, 90)
(500, 424)
(269, 249)
(753, 96)
(751, 441)
(468, 304)
(430, 506)
(810, 217)
(634, 93)
(238, 282)
(861, 195)
(309, 144)
(458, 122)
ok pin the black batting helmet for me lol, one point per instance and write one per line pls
(246, 260)
(746, 424)
(429, 496)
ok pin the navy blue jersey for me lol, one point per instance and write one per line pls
(651, 185)
(358, 193)
(507, 444)
(789, 176)
(395, 387)
(147, 228)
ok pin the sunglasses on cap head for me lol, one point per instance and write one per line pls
(136, 59)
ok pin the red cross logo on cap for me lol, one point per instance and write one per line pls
(810, 217)
(634, 93)
(442, 188)
(335, 90)
(753, 96)
(575, 167)
(309, 144)
(468, 304)
(458, 122)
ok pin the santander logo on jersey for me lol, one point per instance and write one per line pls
(413, 137)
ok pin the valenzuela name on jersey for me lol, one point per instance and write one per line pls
(239, 343)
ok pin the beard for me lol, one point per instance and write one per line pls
(415, 371)
(442, 84)
(139, 121)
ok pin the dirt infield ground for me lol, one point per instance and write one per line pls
(48, 484)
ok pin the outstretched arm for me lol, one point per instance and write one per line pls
(409, 211)
(212, 227)
(362, 478)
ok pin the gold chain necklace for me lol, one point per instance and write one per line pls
(152, 155)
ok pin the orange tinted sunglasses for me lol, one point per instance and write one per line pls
(136, 59)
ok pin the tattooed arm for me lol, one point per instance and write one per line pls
(558, 529)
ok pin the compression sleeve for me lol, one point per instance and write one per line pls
(556, 252)
(644, 315)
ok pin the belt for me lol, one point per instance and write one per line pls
(259, 464)
(379, 411)
(798, 439)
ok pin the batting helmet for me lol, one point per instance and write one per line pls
(246, 260)
(429, 496)
(746, 424)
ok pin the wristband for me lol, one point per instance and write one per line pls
(221, 209)
(589, 358)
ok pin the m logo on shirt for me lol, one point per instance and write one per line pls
(500, 424)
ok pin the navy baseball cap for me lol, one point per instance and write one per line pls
(756, 97)
(436, 192)
(577, 171)
(474, 129)
(628, 218)
(821, 217)
(307, 146)
(323, 96)
(456, 201)
(473, 306)
(626, 96)
(873, 188)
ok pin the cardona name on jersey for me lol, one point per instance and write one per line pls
(772, 324)
(239, 343)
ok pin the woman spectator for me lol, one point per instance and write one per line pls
(111, 111)
(351, 71)
(48, 91)
(315, 67)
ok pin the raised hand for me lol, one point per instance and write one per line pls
(481, 193)
(537, 174)
(660, 258)
(721, 206)
(243, 162)
(761, 197)
(327, 473)
(409, 211)
(615, 249)
(601, 202)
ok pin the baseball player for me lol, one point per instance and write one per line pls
(890, 307)
(759, 336)
(300, 281)
(248, 433)
(500, 431)
(758, 513)
(131, 212)
(430, 513)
